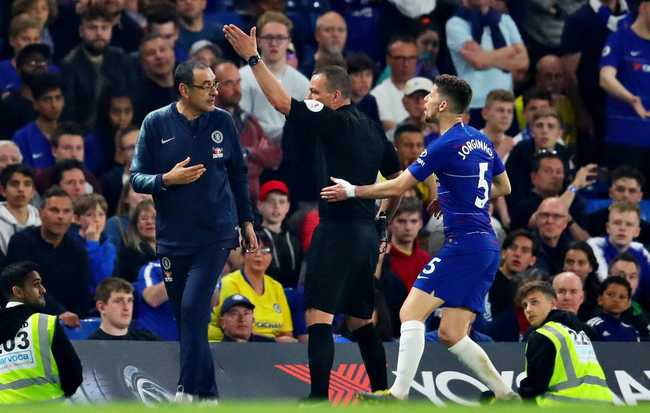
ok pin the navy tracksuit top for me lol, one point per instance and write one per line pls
(206, 212)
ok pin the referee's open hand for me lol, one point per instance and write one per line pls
(338, 192)
(244, 45)
(180, 175)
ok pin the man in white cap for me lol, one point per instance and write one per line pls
(414, 92)
(205, 52)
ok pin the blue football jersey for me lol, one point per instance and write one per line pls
(629, 54)
(464, 161)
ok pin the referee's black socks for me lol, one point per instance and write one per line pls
(373, 354)
(320, 351)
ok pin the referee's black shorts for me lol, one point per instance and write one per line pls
(340, 275)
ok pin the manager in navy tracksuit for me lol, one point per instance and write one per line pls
(189, 157)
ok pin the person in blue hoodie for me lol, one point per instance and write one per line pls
(90, 217)
(189, 157)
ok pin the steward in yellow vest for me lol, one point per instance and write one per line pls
(37, 361)
(561, 364)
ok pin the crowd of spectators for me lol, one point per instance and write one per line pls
(562, 89)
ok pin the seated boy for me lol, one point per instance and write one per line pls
(615, 298)
(90, 217)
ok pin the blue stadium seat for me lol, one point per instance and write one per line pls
(645, 209)
(596, 204)
(88, 326)
(224, 17)
(294, 298)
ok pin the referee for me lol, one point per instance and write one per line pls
(340, 277)
(189, 156)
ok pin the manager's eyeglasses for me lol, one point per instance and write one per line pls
(206, 88)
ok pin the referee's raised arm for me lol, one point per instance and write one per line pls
(246, 47)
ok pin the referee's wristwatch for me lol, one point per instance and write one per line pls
(253, 60)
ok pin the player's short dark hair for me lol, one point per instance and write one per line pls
(406, 128)
(45, 82)
(161, 12)
(19, 168)
(528, 288)
(536, 93)
(537, 160)
(64, 166)
(15, 275)
(330, 59)
(457, 91)
(359, 62)
(65, 128)
(399, 38)
(112, 285)
(616, 280)
(589, 252)
(409, 206)
(97, 12)
(337, 79)
(54, 192)
(184, 73)
(626, 171)
(513, 235)
(623, 256)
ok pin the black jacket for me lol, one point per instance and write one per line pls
(70, 370)
(81, 78)
(65, 270)
(540, 355)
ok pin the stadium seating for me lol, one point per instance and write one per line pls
(88, 325)
(596, 204)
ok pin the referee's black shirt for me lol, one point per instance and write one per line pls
(349, 146)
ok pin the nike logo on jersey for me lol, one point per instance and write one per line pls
(419, 276)
(635, 53)
(38, 155)
(164, 141)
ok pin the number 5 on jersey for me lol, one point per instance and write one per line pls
(482, 183)
(431, 266)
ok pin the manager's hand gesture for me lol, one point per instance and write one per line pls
(180, 175)
(244, 45)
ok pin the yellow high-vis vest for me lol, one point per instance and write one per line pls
(28, 371)
(577, 375)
